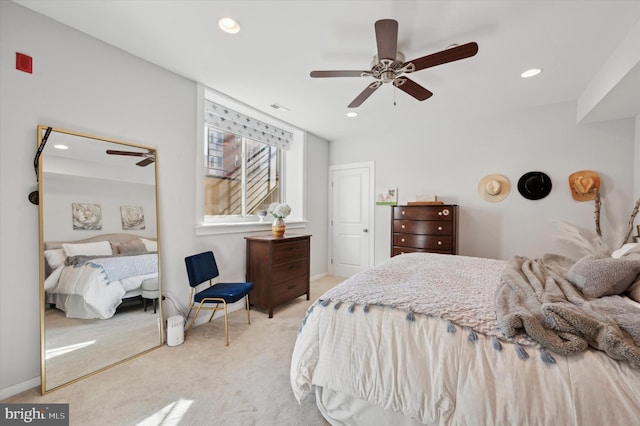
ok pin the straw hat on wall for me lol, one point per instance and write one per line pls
(494, 188)
(582, 185)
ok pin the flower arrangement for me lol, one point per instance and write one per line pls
(279, 210)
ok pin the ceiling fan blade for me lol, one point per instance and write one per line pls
(387, 38)
(445, 56)
(365, 94)
(145, 162)
(412, 88)
(131, 153)
(320, 74)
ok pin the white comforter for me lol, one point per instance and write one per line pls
(93, 295)
(419, 369)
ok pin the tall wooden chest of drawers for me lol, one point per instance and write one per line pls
(279, 269)
(432, 228)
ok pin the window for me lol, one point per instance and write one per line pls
(242, 176)
(243, 162)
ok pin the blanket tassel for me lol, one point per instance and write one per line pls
(473, 337)
(547, 358)
(410, 316)
(496, 344)
(366, 309)
(352, 307)
(451, 328)
(337, 305)
(521, 352)
(324, 302)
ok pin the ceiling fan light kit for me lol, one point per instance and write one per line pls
(389, 65)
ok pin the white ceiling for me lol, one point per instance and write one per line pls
(269, 60)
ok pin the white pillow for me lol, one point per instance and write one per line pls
(55, 257)
(150, 244)
(623, 250)
(102, 248)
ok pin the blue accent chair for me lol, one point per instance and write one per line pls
(202, 268)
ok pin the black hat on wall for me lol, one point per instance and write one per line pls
(534, 185)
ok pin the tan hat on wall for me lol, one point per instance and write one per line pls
(494, 188)
(582, 185)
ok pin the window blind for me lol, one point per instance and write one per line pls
(226, 119)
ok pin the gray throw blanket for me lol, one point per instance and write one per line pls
(535, 298)
(118, 267)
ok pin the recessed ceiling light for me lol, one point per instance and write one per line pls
(60, 146)
(352, 114)
(229, 25)
(531, 72)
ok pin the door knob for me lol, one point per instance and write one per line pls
(365, 230)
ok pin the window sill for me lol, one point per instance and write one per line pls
(242, 227)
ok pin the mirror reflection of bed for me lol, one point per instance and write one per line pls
(98, 218)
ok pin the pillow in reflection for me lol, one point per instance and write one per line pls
(55, 257)
(151, 245)
(133, 247)
(102, 248)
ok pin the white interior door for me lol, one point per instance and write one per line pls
(351, 218)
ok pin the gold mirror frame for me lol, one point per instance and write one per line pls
(80, 352)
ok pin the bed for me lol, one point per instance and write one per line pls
(90, 278)
(444, 340)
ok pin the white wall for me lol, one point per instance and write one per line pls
(636, 159)
(449, 157)
(60, 191)
(84, 85)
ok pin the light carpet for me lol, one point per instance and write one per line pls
(202, 381)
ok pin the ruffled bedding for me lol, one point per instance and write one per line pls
(96, 284)
(389, 338)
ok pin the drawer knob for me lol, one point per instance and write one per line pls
(403, 212)
(445, 212)
(402, 240)
(439, 228)
(402, 226)
(439, 243)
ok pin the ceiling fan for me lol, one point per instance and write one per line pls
(389, 65)
(149, 157)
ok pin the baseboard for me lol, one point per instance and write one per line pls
(20, 387)
(317, 277)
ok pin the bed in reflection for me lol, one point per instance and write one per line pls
(454, 340)
(90, 278)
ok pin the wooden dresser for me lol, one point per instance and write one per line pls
(432, 228)
(279, 269)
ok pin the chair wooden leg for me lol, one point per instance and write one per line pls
(248, 308)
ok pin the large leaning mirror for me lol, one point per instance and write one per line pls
(99, 254)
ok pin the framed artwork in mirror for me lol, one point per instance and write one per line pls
(132, 217)
(86, 216)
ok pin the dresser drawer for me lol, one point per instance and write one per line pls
(403, 250)
(427, 242)
(443, 212)
(430, 227)
(284, 291)
(284, 252)
(292, 269)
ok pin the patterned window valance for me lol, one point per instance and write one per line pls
(226, 119)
